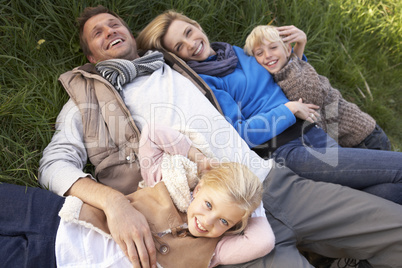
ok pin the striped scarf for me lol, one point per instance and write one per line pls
(120, 72)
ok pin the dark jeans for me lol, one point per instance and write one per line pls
(28, 226)
(376, 140)
(318, 157)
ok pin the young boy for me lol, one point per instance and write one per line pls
(342, 120)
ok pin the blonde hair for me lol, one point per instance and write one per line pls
(151, 37)
(261, 33)
(239, 185)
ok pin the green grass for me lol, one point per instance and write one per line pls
(356, 44)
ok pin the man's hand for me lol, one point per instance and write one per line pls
(130, 230)
(128, 227)
(292, 34)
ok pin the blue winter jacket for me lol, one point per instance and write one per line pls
(251, 101)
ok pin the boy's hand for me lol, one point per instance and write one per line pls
(292, 34)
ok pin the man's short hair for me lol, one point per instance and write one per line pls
(88, 13)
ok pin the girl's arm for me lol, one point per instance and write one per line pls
(257, 240)
(153, 144)
(203, 163)
(292, 34)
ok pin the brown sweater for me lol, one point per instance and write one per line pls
(342, 120)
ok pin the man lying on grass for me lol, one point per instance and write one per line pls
(103, 120)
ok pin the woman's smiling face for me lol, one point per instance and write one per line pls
(187, 41)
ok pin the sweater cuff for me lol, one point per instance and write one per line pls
(70, 212)
(71, 209)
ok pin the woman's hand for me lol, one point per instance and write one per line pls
(303, 111)
(292, 34)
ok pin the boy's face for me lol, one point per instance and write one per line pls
(271, 55)
(209, 215)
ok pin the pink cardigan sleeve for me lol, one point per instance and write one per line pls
(257, 241)
(153, 144)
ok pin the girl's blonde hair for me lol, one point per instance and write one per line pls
(261, 33)
(238, 185)
(151, 37)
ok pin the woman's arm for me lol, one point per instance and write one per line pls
(303, 111)
(255, 128)
(251, 101)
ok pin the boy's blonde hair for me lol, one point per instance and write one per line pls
(238, 185)
(151, 37)
(261, 33)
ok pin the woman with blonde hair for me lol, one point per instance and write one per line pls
(152, 35)
(264, 117)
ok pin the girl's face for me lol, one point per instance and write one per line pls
(271, 55)
(209, 215)
(187, 41)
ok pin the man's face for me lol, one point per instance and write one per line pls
(108, 38)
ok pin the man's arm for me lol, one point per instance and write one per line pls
(65, 156)
(128, 227)
(61, 171)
